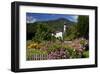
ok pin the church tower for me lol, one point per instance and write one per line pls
(64, 29)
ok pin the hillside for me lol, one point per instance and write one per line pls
(54, 25)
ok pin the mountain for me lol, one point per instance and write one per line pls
(63, 21)
(57, 24)
(60, 20)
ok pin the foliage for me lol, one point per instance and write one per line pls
(70, 52)
(83, 26)
(42, 33)
(54, 50)
(54, 47)
(71, 33)
(73, 53)
(83, 42)
(85, 54)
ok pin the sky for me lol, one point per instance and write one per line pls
(33, 17)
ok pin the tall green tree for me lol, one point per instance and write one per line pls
(83, 26)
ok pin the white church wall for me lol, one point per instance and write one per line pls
(59, 34)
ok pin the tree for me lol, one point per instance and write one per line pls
(31, 30)
(43, 33)
(83, 26)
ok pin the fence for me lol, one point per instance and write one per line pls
(39, 57)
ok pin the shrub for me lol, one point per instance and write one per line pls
(83, 42)
(54, 47)
(85, 54)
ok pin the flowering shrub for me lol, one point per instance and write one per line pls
(33, 46)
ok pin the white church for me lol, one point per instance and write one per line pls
(60, 33)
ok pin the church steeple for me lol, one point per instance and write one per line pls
(64, 29)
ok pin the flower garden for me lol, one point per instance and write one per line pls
(58, 50)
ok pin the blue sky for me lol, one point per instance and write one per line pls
(33, 17)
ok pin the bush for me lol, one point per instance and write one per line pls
(72, 52)
(85, 54)
(33, 46)
(83, 42)
(54, 47)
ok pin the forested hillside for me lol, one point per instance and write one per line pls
(52, 25)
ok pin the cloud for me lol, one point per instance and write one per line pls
(73, 18)
(76, 18)
(30, 19)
